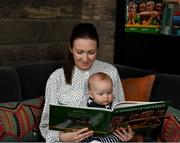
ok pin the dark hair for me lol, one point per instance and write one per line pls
(82, 30)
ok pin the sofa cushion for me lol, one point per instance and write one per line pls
(171, 129)
(33, 77)
(19, 121)
(167, 87)
(130, 72)
(10, 85)
(139, 88)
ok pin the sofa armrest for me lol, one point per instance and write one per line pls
(10, 88)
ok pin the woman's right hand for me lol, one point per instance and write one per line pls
(75, 136)
(123, 134)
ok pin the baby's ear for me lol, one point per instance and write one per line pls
(90, 94)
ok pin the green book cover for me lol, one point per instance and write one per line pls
(140, 115)
(68, 118)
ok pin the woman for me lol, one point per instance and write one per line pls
(68, 85)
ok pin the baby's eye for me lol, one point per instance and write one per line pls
(101, 94)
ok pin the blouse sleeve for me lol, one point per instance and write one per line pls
(118, 89)
(50, 98)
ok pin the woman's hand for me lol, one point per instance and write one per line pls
(124, 135)
(75, 136)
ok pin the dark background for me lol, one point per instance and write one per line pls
(148, 51)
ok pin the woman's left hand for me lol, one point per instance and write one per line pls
(123, 134)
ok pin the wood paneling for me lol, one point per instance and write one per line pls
(36, 30)
(40, 9)
(26, 53)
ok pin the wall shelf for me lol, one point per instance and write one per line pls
(149, 51)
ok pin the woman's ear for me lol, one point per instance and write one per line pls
(90, 93)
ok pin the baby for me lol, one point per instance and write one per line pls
(100, 92)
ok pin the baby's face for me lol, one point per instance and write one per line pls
(101, 92)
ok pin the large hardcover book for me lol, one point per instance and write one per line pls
(140, 115)
(143, 16)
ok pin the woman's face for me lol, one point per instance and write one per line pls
(84, 52)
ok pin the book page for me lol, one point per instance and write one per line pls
(141, 116)
(124, 104)
(85, 107)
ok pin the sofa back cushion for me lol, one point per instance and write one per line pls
(33, 77)
(167, 87)
(138, 88)
(130, 72)
(9, 85)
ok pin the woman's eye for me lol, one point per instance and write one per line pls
(79, 52)
(91, 53)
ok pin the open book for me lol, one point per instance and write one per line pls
(140, 115)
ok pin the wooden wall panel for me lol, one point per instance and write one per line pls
(31, 29)
(99, 10)
(35, 31)
(40, 9)
(28, 53)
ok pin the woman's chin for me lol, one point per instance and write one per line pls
(85, 67)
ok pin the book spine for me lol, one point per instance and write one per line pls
(177, 13)
(166, 26)
(176, 20)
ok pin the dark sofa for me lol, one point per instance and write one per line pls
(18, 84)
(21, 84)
(165, 87)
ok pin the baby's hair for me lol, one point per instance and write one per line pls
(100, 76)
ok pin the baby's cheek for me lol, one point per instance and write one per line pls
(110, 98)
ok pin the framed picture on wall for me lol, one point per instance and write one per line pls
(146, 50)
